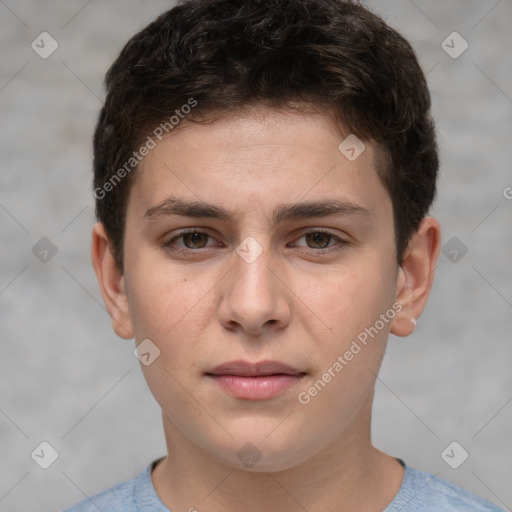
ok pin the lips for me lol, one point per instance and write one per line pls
(247, 369)
(255, 381)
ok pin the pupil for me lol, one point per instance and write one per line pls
(194, 238)
(317, 238)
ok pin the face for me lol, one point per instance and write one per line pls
(287, 255)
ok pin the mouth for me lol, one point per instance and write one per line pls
(255, 381)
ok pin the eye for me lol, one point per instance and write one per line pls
(195, 239)
(191, 239)
(318, 240)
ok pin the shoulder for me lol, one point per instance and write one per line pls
(124, 497)
(424, 492)
(120, 497)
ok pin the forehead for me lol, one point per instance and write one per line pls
(261, 157)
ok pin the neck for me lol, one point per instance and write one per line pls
(350, 472)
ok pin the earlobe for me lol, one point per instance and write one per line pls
(111, 282)
(416, 275)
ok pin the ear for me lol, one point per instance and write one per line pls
(111, 282)
(416, 275)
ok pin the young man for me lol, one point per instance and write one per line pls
(263, 172)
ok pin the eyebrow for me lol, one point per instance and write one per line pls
(292, 211)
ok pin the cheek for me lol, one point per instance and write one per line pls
(162, 304)
(160, 298)
(350, 354)
(348, 299)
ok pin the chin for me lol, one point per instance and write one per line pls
(263, 450)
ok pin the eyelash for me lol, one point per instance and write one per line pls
(170, 245)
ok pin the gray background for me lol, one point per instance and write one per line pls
(67, 379)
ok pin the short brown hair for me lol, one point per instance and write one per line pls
(333, 55)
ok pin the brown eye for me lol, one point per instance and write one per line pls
(319, 239)
(320, 242)
(196, 240)
(188, 242)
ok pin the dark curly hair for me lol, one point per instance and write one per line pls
(334, 56)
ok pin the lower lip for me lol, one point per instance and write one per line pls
(256, 388)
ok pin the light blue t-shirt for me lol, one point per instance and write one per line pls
(419, 492)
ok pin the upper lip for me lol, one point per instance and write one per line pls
(248, 369)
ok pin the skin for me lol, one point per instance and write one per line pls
(299, 302)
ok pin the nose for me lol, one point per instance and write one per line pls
(255, 298)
